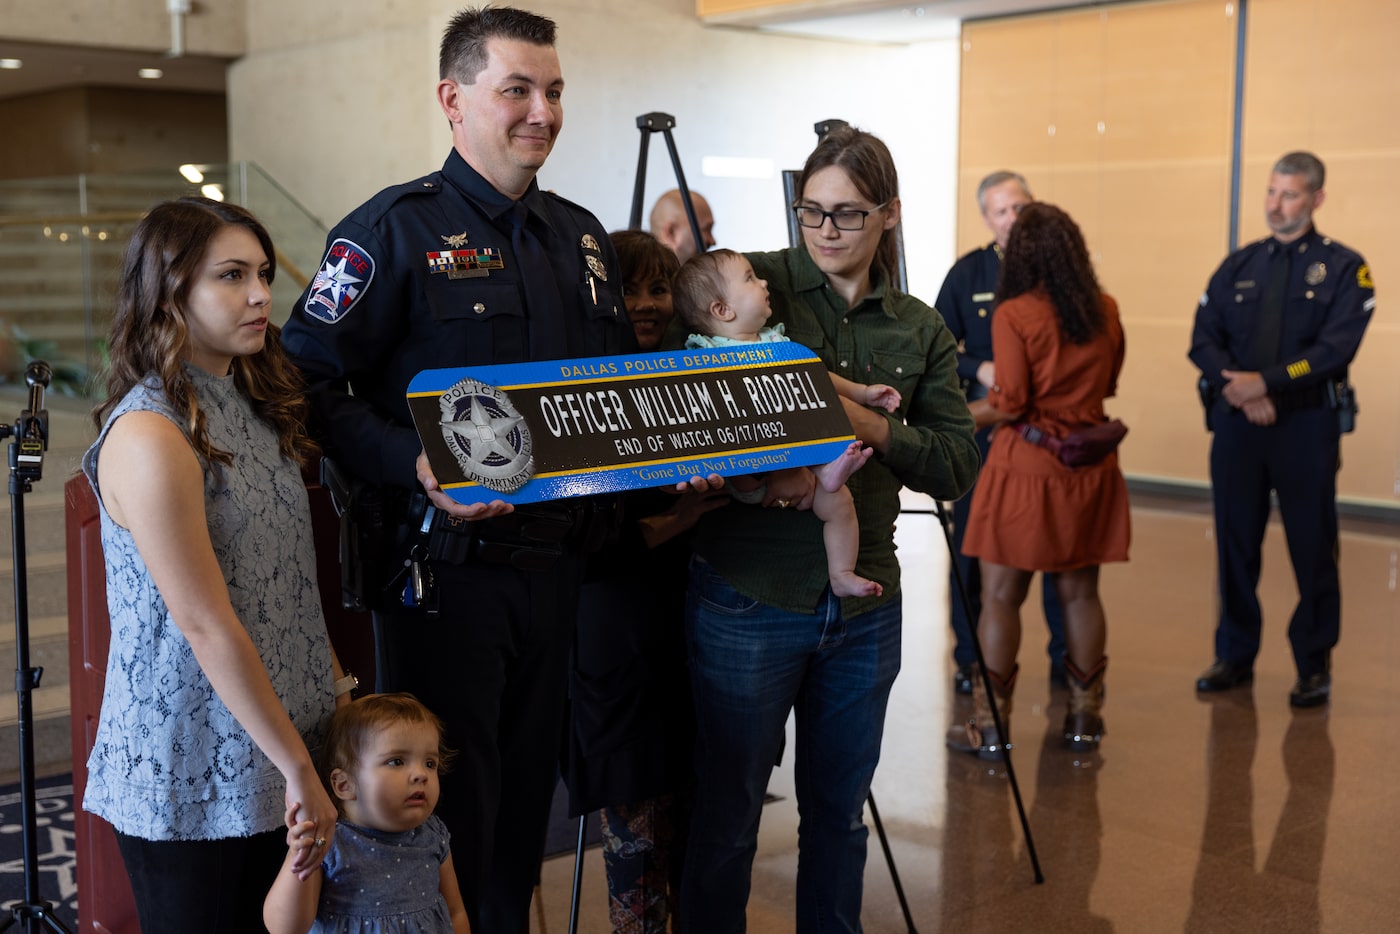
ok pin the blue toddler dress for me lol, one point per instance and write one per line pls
(379, 882)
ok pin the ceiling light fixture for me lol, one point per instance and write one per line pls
(151, 74)
(11, 64)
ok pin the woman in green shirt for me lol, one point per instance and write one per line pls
(764, 632)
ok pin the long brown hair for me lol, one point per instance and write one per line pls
(1046, 251)
(150, 331)
(870, 167)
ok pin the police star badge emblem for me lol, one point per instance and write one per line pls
(487, 435)
(345, 274)
(1316, 273)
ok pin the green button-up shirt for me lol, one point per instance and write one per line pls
(777, 556)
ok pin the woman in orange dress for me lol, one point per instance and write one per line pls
(1058, 347)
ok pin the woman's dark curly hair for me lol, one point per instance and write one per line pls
(150, 330)
(1046, 252)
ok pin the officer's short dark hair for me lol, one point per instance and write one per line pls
(463, 53)
(995, 179)
(1304, 164)
(699, 284)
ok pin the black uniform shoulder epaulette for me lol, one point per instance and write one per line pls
(973, 253)
(1244, 253)
(372, 211)
(571, 205)
(1341, 249)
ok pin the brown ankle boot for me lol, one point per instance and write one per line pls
(1083, 723)
(979, 734)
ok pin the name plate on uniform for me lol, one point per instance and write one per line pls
(527, 432)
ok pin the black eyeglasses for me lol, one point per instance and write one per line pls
(841, 220)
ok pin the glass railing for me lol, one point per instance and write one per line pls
(61, 242)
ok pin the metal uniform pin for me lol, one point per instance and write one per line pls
(1316, 273)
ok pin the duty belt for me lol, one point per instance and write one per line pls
(1312, 397)
(532, 538)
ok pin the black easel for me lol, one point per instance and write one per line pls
(654, 122)
(31, 439)
(657, 122)
(946, 523)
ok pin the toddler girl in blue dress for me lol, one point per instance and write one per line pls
(388, 866)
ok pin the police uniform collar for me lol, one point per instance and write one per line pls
(481, 192)
(1309, 236)
(806, 277)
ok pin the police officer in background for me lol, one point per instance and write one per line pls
(1276, 329)
(671, 225)
(966, 304)
(470, 265)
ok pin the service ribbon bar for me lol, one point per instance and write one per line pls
(527, 432)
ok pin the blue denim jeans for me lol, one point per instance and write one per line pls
(751, 664)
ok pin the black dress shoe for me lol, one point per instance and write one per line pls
(1312, 691)
(1222, 676)
(962, 678)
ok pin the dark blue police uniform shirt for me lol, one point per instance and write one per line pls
(966, 303)
(386, 304)
(1328, 303)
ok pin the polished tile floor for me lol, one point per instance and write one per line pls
(1230, 814)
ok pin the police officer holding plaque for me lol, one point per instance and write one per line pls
(1277, 327)
(764, 632)
(471, 265)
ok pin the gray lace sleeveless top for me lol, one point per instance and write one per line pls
(169, 761)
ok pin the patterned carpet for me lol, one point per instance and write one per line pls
(56, 869)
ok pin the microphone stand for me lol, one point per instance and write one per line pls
(31, 440)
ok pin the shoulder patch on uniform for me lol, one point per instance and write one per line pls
(345, 274)
(1363, 277)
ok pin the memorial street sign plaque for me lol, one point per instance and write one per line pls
(527, 432)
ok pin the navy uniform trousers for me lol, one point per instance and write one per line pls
(1297, 457)
(494, 671)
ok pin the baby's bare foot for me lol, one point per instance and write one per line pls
(851, 584)
(834, 475)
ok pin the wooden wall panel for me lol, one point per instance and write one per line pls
(1139, 96)
(1317, 76)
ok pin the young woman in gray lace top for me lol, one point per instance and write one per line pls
(220, 671)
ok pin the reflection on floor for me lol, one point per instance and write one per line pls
(1232, 814)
